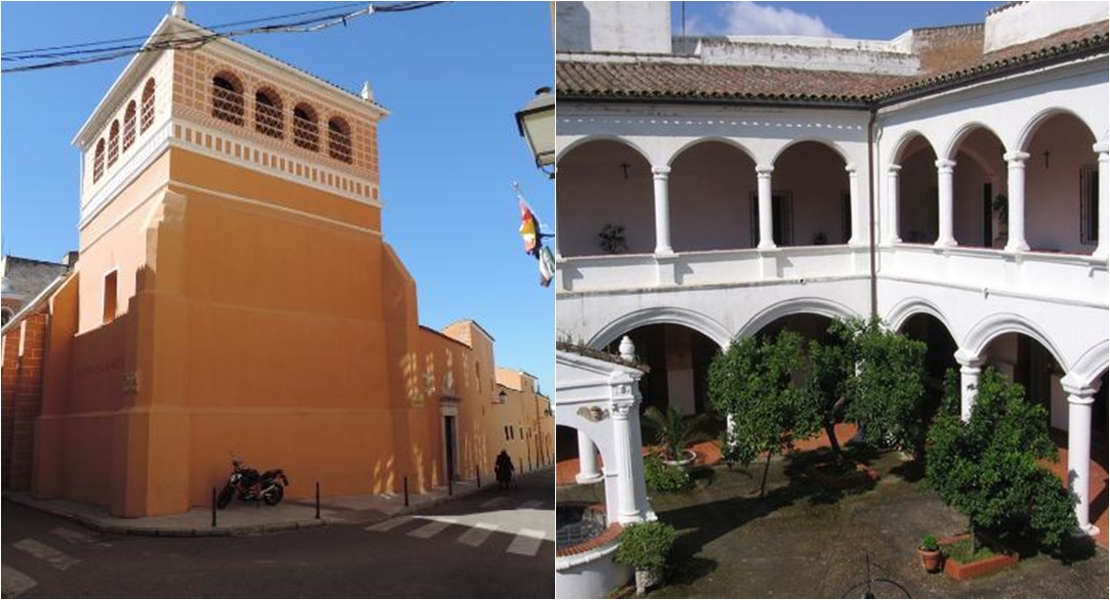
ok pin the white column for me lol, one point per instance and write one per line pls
(945, 167)
(1015, 193)
(627, 510)
(853, 205)
(1080, 400)
(766, 235)
(892, 189)
(970, 367)
(1103, 148)
(662, 211)
(587, 461)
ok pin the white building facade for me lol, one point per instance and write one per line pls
(952, 181)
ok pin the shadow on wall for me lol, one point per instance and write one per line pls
(573, 30)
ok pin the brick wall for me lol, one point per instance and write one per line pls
(24, 347)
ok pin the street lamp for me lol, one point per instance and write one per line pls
(536, 122)
(501, 397)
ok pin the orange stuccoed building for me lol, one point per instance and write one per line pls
(234, 295)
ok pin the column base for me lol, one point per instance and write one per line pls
(588, 479)
(1090, 529)
(1012, 248)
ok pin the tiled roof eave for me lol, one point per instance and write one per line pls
(712, 98)
(1000, 68)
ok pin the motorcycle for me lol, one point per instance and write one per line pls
(249, 485)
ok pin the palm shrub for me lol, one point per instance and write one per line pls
(674, 432)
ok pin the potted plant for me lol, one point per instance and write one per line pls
(674, 433)
(929, 551)
(645, 547)
(611, 239)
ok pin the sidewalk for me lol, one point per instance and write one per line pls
(242, 518)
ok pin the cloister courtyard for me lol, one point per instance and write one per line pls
(803, 540)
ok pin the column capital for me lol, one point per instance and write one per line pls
(850, 168)
(968, 360)
(1015, 157)
(764, 170)
(893, 169)
(945, 165)
(660, 172)
(1102, 148)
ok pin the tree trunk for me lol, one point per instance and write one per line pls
(830, 428)
(766, 467)
(974, 540)
(830, 431)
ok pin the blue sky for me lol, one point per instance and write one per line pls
(452, 75)
(860, 20)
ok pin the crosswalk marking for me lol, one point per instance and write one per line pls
(527, 542)
(57, 559)
(531, 504)
(494, 502)
(432, 528)
(477, 535)
(390, 524)
(73, 537)
(15, 582)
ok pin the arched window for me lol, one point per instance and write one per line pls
(98, 161)
(306, 134)
(339, 139)
(227, 98)
(113, 143)
(129, 126)
(147, 118)
(268, 118)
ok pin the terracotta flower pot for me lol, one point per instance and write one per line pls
(930, 559)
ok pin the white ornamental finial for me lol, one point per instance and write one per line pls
(367, 91)
(627, 349)
(178, 9)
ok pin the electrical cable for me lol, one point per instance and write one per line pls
(192, 43)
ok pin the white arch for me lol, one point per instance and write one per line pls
(904, 141)
(826, 142)
(1090, 366)
(793, 306)
(561, 152)
(1029, 130)
(965, 130)
(998, 324)
(713, 138)
(703, 324)
(914, 305)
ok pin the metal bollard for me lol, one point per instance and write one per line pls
(406, 490)
(478, 476)
(317, 499)
(213, 507)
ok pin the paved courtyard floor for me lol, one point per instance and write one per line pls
(802, 541)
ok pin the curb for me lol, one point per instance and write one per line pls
(167, 532)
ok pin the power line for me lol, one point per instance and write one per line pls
(17, 54)
(194, 42)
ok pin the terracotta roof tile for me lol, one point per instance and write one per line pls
(950, 55)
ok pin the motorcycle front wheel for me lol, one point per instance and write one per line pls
(225, 497)
(274, 495)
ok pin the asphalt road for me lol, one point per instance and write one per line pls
(488, 545)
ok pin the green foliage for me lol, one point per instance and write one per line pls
(874, 376)
(662, 478)
(645, 545)
(929, 544)
(673, 431)
(752, 382)
(987, 467)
